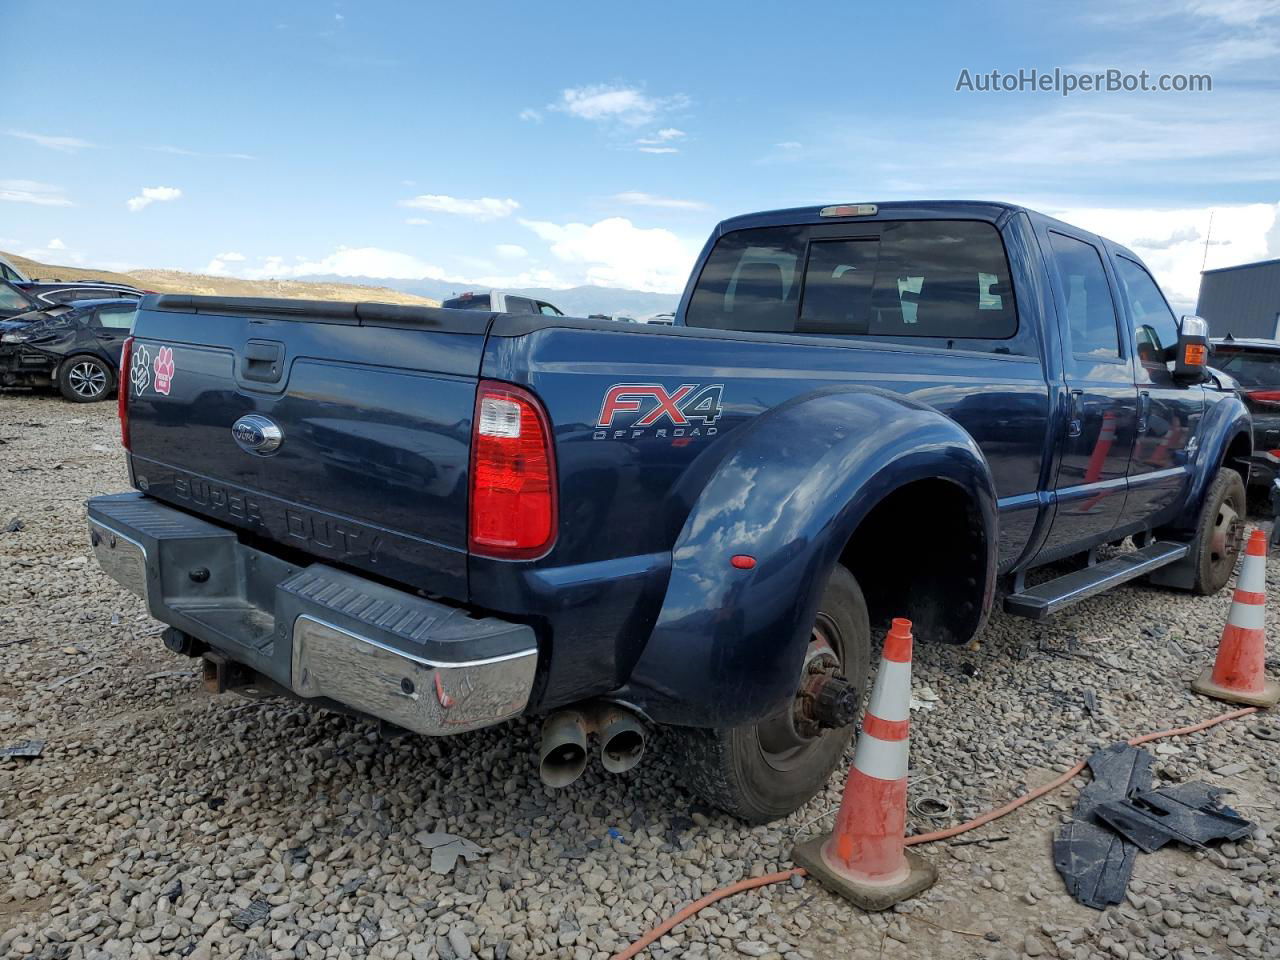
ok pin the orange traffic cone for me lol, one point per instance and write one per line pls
(1239, 673)
(864, 859)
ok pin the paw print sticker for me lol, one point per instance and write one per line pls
(164, 370)
(140, 370)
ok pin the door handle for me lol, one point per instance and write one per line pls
(1144, 408)
(1075, 425)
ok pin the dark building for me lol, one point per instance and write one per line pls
(1242, 301)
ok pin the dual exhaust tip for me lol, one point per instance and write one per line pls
(563, 756)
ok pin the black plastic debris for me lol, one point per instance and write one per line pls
(1119, 814)
(1186, 812)
(1095, 863)
(26, 748)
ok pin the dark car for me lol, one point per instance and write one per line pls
(50, 292)
(1255, 365)
(77, 346)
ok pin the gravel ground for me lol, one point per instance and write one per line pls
(163, 821)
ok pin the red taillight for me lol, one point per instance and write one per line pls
(513, 475)
(1270, 398)
(122, 391)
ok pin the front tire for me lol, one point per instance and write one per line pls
(1219, 533)
(84, 379)
(767, 770)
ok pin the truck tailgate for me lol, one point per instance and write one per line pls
(373, 405)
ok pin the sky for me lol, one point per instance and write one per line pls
(553, 144)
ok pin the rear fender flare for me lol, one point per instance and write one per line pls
(728, 642)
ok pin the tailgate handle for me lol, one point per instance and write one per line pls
(263, 361)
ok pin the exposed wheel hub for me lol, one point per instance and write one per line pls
(1228, 529)
(824, 700)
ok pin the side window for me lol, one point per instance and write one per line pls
(751, 281)
(547, 310)
(117, 319)
(1091, 314)
(12, 300)
(520, 305)
(1155, 331)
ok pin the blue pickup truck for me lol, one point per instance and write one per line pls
(445, 519)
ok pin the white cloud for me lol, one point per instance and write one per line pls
(416, 221)
(63, 144)
(54, 251)
(612, 103)
(616, 253)
(485, 208)
(789, 145)
(32, 191)
(349, 262)
(512, 251)
(636, 198)
(604, 102)
(150, 195)
(657, 149)
(218, 265)
(530, 115)
(1172, 241)
(665, 135)
(184, 152)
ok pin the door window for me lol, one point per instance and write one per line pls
(520, 305)
(1155, 331)
(120, 318)
(1091, 313)
(547, 310)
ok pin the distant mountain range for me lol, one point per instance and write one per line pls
(575, 301)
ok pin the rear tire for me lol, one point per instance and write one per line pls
(754, 772)
(85, 379)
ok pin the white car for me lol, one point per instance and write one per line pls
(11, 273)
(499, 302)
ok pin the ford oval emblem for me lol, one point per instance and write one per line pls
(257, 434)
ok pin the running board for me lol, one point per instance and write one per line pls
(1047, 598)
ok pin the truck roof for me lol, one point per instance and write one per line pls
(989, 210)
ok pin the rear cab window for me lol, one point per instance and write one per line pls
(943, 283)
(467, 301)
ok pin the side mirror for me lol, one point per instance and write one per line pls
(1193, 350)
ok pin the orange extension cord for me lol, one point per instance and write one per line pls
(692, 909)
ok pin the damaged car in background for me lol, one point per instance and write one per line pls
(74, 346)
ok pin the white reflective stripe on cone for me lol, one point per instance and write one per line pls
(882, 759)
(891, 695)
(1251, 616)
(1253, 575)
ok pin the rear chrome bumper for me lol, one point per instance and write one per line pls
(322, 633)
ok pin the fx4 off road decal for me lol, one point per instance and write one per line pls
(633, 410)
